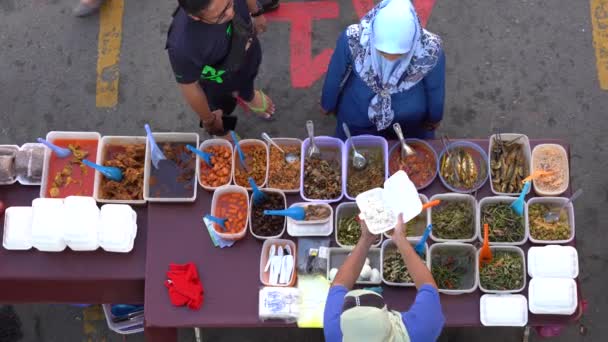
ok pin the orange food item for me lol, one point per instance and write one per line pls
(233, 207)
(255, 157)
(281, 174)
(220, 173)
(69, 176)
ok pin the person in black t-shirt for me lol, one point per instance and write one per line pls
(215, 56)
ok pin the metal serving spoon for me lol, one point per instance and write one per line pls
(289, 157)
(406, 150)
(359, 161)
(313, 151)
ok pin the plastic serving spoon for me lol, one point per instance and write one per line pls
(485, 254)
(220, 221)
(296, 213)
(61, 152)
(258, 195)
(553, 215)
(204, 155)
(157, 154)
(536, 174)
(518, 205)
(110, 172)
(431, 204)
(289, 157)
(419, 248)
(239, 151)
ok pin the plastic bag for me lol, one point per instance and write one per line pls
(312, 255)
(279, 303)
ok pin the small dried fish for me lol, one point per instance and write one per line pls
(508, 165)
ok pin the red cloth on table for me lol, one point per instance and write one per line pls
(185, 287)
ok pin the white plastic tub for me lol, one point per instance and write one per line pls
(500, 199)
(209, 143)
(447, 197)
(338, 255)
(287, 142)
(503, 310)
(390, 244)
(552, 296)
(133, 326)
(13, 151)
(54, 135)
(509, 249)
(101, 151)
(17, 228)
(522, 140)
(236, 162)
(470, 283)
(348, 209)
(261, 237)
(362, 142)
(311, 228)
(187, 138)
(264, 276)
(216, 195)
(553, 202)
(553, 261)
(536, 152)
(426, 213)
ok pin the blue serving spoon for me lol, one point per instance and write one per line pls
(204, 155)
(110, 172)
(157, 154)
(419, 248)
(240, 152)
(258, 195)
(518, 205)
(296, 213)
(220, 221)
(61, 152)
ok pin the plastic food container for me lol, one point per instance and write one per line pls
(101, 149)
(554, 202)
(553, 262)
(48, 224)
(209, 143)
(521, 140)
(250, 220)
(17, 228)
(188, 138)
(552, 296)
(500, 199)
(456, 197)
(311, 228)
(362, 142)
(81, 223)
(470, 280)
(264, 276)
(287, 142)
(399, 196)
(54, 135)
(236, 162)
(510, 249)
(536, 152)
(322, 142)
(348, 209)
(427, 220)
(27, 149)
(503, 310)
(117, 228)
(12, 149)
(338, 255)
(479, 156)
(412, 142)
(231, 189)
(390, 244)
(133, 326)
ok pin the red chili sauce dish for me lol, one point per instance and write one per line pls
(69, 176)
(421, 168)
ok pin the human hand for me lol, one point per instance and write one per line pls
(323, 110)
(260, 23)
(400, 232)
(366, 235)
(214, 125)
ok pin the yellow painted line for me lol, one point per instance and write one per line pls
(599, 21)
(108, 49)
(91, 315)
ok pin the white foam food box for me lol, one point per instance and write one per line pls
(117, 228)
(17, 228)
(81, 219)
(503, 310)
(48, 224)
(553, 261)
(552, 296)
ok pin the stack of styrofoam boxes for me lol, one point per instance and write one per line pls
(552, 290)
(51, 225)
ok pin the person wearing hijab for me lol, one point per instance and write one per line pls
(386, 69)
(362, 315)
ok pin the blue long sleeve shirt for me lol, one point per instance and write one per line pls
(421, 103)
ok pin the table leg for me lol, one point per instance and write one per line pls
(160, 334)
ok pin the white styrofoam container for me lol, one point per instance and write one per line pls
(48, 224)
(123, 328)
(230, 189)
(54, 135)
(523, 140)
(188, 138)
(456, 197)
(117, 228)
(274, 191)
(17, 228)
(348, 209)
(236, 162)
(288, 142)
(15, 148)
(116, 140)
(23, 180)
(537, 149)
(503, 310)
(556, 202)
(81, 223)
(552, 296)
(209, 143)
(467, 248)
(264, 276)
(424, 200)
(399, 196)
(311, 228)
(553, 261)
(511, 249)
(391, 244)
(499, 199)
(362, 142)
(337, 256)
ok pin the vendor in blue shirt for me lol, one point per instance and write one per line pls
(362, 316)
(384, 70)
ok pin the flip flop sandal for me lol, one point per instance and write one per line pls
(260, 112)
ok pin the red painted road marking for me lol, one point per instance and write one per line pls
(306, 69)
